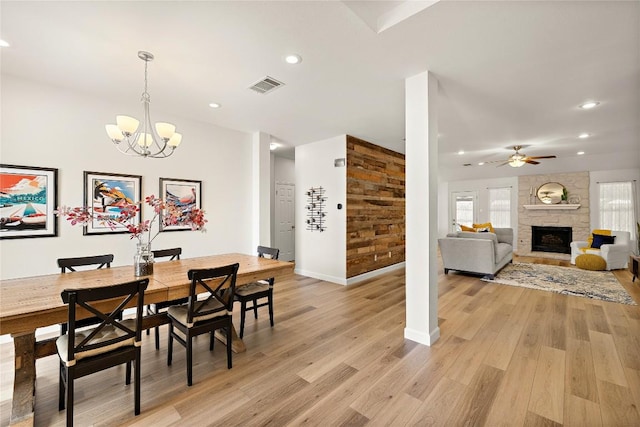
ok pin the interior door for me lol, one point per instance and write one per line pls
(284, 217)
(463, 208)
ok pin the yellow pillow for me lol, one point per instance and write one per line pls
(488, 225)
(590, 238)
(465, 228)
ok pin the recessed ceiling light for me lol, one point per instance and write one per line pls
(4, 43)
(293, 59)
(580, 153)
(273, 146)
(589, 104)
(461, 152)
(584, 135)
(215, 105)
(481, 163)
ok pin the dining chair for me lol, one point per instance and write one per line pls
(252, 292)
(71, 264)
(110, 343)
(206, 315)
(173, 254)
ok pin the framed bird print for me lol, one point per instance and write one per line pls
(107, 194)
(181, 196)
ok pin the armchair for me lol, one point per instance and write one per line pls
(616, 255)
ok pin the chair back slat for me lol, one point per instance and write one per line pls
(266, 252)
(89, 299)
(219, 282)
(99, 260)
(174, 253)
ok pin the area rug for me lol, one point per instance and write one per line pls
(601, 285)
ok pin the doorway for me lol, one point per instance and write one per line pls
(284, 219)
(463, 208)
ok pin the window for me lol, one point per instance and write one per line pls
(500, 207)
(617, 206)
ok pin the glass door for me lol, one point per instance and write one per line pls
(464, 209)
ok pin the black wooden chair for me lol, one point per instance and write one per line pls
(252, 292)
(94, 261)
(112, 342)
(174, 254)
(204, 316)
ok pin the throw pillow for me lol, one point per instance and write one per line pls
(600, 239)
(602, 232)
(465, 228)
(486, 225)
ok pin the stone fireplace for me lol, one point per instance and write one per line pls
(551, 239)
(532, 213)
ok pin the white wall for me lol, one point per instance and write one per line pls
(50, 127)
(322, 255)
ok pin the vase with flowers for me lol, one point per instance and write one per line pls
(170, 213)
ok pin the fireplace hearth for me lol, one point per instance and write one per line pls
(551, 239)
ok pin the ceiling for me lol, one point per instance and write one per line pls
(510, 73)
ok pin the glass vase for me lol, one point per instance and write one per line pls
(143, 260)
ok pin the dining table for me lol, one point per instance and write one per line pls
(29, 303)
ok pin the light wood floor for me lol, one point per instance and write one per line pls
(507, 356)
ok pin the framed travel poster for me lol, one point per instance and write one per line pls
(180, 194)
(107, 193)
(28, 198)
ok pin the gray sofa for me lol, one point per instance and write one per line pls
(480, 253)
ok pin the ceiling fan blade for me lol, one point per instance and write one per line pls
(503, 163)
(541, 157)
(531, 162)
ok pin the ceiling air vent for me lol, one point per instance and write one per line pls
(266, 85)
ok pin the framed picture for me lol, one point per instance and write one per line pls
(28, 197)
(107, 193)
(183, 194)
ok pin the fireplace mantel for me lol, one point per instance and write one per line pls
(551, 207)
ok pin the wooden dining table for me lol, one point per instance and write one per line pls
(34, 302)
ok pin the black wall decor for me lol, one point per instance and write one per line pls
(316, 209)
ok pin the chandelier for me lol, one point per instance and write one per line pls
(134, 139)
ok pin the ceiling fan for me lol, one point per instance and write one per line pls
(518, 159)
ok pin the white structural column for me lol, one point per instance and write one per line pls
(421, 93)
(261, 189)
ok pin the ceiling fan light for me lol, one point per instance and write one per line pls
(516, 163)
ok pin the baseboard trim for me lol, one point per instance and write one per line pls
(422, 337)
(375, 273)
(320, 276)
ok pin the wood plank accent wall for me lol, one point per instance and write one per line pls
(375, 207)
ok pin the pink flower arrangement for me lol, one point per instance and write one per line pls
(171, 216)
